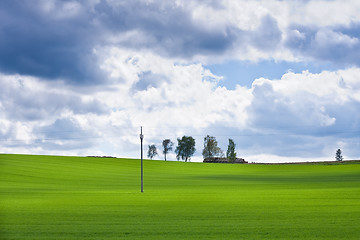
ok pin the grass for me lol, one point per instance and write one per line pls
(49, 197)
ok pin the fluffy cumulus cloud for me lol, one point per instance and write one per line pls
(308, 111)
(81, 77)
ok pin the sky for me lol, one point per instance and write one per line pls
(280, 78)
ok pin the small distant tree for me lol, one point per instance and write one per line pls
(185, 148)
(211, 148)
(230, 153)
(338, 155)
(167, 146)
(152, 152)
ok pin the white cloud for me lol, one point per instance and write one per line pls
(246, 15)
(326, 37)
(301, 112)
(327, 13)
(303, 99)
(60, 10)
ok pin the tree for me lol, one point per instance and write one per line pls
(211, 148)
(185, 148)
(152, 152)
(338, 155)
(167, 145)
(230, 153)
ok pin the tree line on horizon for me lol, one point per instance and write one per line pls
(185, 149)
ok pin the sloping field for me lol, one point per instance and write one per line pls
(48, 197)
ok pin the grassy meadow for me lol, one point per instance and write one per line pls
(50, 197)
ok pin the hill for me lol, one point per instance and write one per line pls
(50, 197)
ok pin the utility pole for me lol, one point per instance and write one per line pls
(142, 176)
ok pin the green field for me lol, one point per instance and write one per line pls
(48, 197)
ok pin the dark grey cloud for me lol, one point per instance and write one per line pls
(167, 28)
(23, 103)
(268, 34)
(39, 43)
(149, 79)
(31, 108)
(303, 114)
(286, 145)
(63, 134)
(347, 119)
(352, 29)
(60, 44)
(270, 141)
(337, 45)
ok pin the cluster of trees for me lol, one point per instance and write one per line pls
(186, 148)
(212, 150)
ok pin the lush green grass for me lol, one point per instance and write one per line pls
(47, 197)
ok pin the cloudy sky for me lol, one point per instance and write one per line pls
(281, 78)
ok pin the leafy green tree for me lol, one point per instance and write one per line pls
(338, 155)
(230, 153)
(152, 152)
(185, 148)
(167, 146)
(211, 148)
